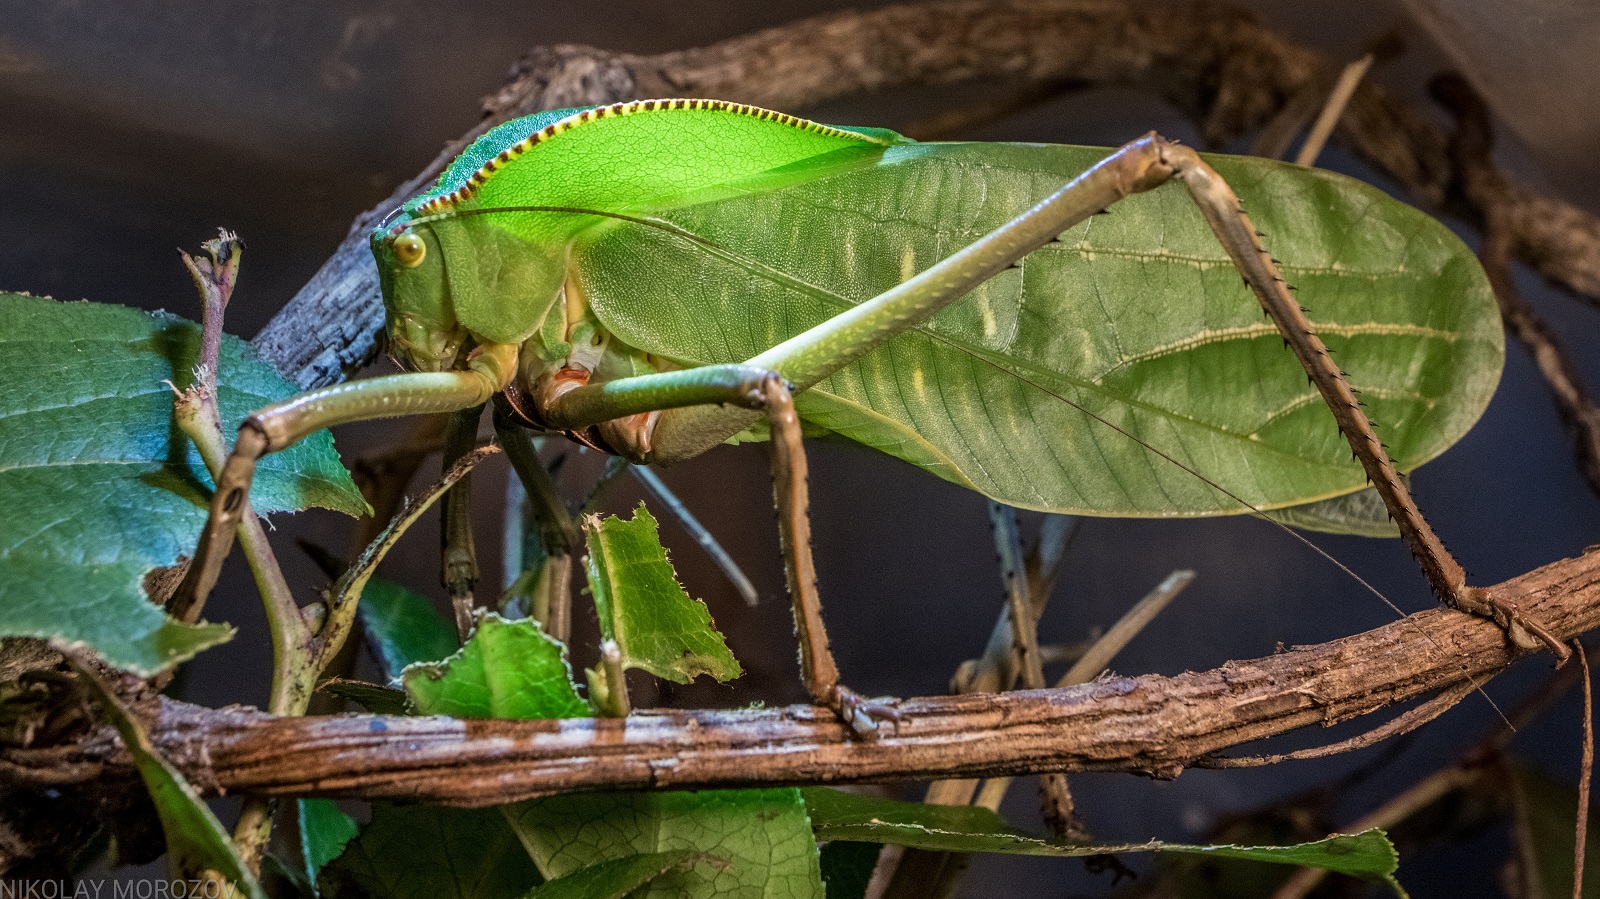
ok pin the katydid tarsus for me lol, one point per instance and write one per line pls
(651, 278)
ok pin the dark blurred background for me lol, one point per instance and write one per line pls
(128, 129)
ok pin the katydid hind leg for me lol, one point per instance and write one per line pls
(1225, 214)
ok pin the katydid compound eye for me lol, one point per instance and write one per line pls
(410, 249)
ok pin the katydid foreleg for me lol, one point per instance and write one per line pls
(490, 368)
(557, 529)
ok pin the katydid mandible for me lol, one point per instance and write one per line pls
(652, 278)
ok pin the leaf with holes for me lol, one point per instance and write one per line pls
(642, 607)
(99, 486)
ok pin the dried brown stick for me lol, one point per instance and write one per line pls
(1478, 178)
(1210, 61)
(1152, 725)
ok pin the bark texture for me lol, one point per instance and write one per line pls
(1150, 725)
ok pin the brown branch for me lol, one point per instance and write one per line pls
(1151, 725)
(1479, 179)
(1210, 61)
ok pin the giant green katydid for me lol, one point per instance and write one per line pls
(651, 278)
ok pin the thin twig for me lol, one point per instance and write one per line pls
(702, 535)
(1585, 774)
(345, 594)
(1471, 148)
(199, 417)
(1100, 654)
(1127, 627)
(1333, 110)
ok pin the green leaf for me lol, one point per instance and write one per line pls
(375, 698)
(1545, 815)
(1361, 513)
(403, 627)
(509, 669)
(432, 852)
(99, 486)
(763, 835)
(324, 832)
(837, 815)
(641, 605)
(196, 841)
(618, 878)
(847, 868)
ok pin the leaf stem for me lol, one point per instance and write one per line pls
(198, 416)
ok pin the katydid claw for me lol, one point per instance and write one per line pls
(861, 714)
(1522, 631)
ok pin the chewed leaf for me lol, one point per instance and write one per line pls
(432, 852)
(837, 815)
(641, 605)
(196, 841)
(509, 669)
(99, 487)
(324, 832)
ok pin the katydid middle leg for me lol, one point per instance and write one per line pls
(278, 426)
(458, 555)
(758, 391)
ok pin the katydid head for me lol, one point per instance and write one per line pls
(421, 319)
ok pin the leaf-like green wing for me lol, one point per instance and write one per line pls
(657, 626)
(613, 158)
(99, 486)
(1136, 318)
